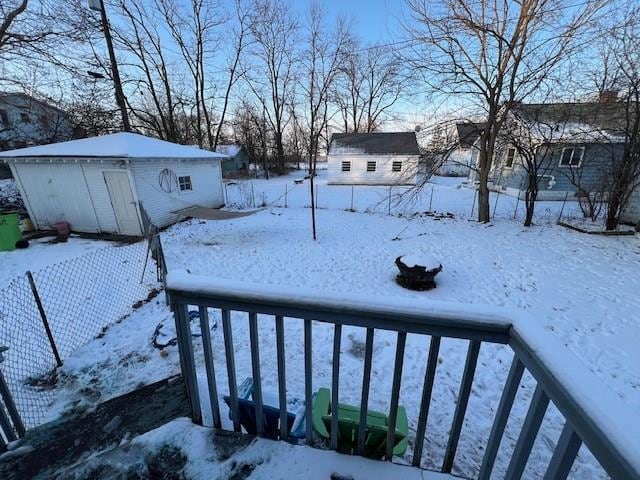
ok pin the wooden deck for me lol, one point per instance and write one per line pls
(66, 441)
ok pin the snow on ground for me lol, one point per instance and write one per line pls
(181, 450)
(581, 288)
(41, 253)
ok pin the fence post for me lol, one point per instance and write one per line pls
(562, 208)
(515, 212)
(253, 196)
(473, 205)
(10, 405)
(431, 197)
(286, 190)
(43, 315)
(495, 205)
(352, 198)
(389, 200)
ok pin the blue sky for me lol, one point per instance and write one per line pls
(374, 21)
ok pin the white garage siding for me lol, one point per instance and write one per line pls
(206, 182)
(101, 202)
(56, 192)
(383, 174)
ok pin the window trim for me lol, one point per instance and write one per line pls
(347, 164)
(513, 158)
(369, 164)
(570, 164)
(397, 163)
(185, 181)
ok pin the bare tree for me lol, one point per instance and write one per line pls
(371, 81)
(275, 34)
(192, 27)
(494, 54)
(621, 68)
(526, 144)
(321, 59)
(240, 34)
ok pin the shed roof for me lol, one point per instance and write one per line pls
(468, 133)
(115, 145)
(231, 149)
(388, 143)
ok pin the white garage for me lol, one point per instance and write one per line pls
(103, 184)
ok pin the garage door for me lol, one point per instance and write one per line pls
(56, 193)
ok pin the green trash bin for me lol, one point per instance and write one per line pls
(9, 231)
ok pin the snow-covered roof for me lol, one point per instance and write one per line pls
(383, 143)
(231, 150)
(115, 145)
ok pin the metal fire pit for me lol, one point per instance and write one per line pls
(416, 277)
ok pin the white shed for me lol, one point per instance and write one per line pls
(373, 159)
(99, 184)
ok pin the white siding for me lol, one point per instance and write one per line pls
(206, 181)
(383, 174)
(56, 193)
(457, 164)
(632, 212)
(100, 200)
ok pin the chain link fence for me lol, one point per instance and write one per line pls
(76, 300)
(449, 199)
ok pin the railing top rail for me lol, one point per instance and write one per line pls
(608, 426)
(413, 316)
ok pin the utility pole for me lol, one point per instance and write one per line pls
(98, 5)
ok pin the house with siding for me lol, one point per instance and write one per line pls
(26, 121)
(573, 143)
(463, 153)
(373, 159)
(237, 159)
(103, 184)
(631, 213)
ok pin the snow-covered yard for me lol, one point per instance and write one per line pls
(581, 288)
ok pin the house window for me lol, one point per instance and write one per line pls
(24, 118)
(346, 166)
(511, 155)
(571, 156)
(371, 166)
(4, 118)
(396, 166)
(185, 183)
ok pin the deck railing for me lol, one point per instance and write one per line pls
(592, 415)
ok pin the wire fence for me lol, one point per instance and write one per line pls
(452, 200)
(47, 314)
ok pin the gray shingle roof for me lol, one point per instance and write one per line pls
(468, 133)
(400, 143)
(609, 117)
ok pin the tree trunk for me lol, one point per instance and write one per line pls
(531, 196)
(483, 189)
(612, 211)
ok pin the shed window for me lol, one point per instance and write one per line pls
(511, 155)
(185, 183)
(396, 166)
(24, 118)
(571, 156)
(371, 166)
(346, 166)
